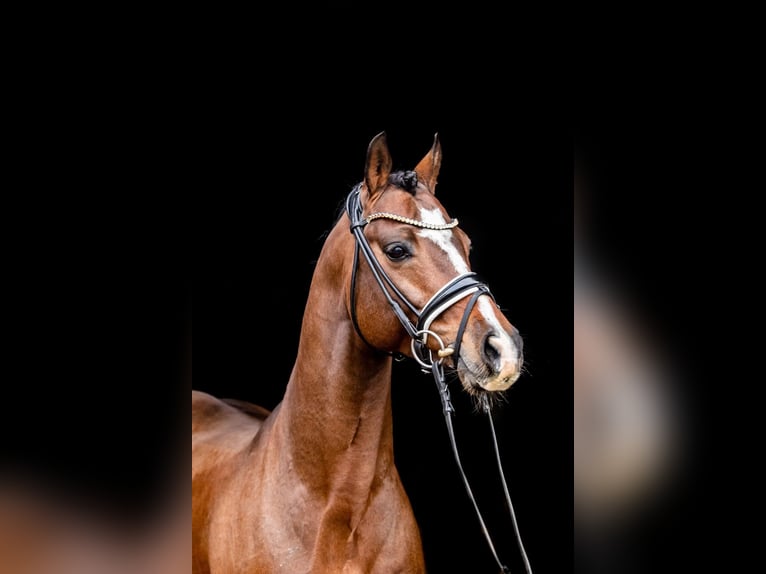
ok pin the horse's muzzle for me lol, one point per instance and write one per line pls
(502, 355)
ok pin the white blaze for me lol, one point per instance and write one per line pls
(443, 238)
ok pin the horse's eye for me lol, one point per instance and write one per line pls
(397, 252)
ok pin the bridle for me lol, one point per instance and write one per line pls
(455, 290)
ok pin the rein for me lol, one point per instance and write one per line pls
(455, 290)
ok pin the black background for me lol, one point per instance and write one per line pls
(660, 184)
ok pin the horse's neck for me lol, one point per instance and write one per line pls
(336, 412)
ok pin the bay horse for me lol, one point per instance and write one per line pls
(312, 486)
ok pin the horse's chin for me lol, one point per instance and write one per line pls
(478, 381)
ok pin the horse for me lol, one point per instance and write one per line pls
(311, 486)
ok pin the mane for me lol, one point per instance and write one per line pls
(407, 180)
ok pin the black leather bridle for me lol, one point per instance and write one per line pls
(457, 289)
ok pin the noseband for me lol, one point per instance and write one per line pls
(457, 289)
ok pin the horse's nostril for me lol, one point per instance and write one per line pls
(491, 354)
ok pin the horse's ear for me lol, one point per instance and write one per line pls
(428, 168)
(378, 165)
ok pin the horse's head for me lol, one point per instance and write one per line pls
(415, 248)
